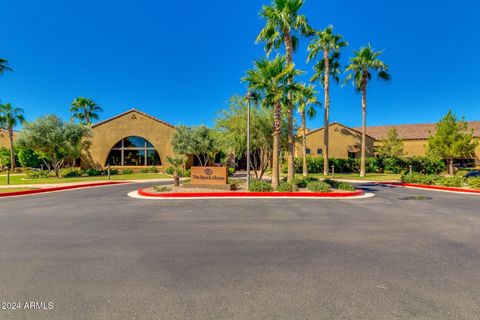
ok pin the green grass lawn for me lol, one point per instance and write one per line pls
(356, 176)
(19, 179)
(6, 190)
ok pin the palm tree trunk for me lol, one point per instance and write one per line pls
(364, 129)
(277, 118)
(12, 150)
(451, 170)
(326, 114)
(87, 118)
(304, 144)
(291, 143)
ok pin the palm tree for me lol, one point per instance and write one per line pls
(329, 44)
(177, 162)
(282, 22)
(85, 110)
(269, 80)
(4, 66)
(360, 71)
(10, 117)
(306, 99)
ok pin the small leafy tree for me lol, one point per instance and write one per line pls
(197, 141)
(53, 139)
(232, 125)
(392, 146)
(177, 162)
(28, 158)
(452, 140)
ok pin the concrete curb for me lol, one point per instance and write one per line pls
(140, 193)
(55, 189)
(433, 188)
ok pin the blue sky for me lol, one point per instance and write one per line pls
(181, 60)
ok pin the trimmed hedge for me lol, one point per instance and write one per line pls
(340, 185)
(287, 187)
(474, 183)
(260, 186)
(431, 179)
(302, 182)
(423, 165)
(319, 186)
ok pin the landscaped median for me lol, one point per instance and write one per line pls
(440, 183)
(328, 189)
(29, 191)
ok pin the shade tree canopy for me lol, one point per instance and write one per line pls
(54, 140)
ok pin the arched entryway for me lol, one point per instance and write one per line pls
(133, 151)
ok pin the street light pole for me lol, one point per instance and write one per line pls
(250, 97)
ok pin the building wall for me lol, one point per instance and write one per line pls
(4, 140)
(418, 148)
(106, 134)
(340, 138)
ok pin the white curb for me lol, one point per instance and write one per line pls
(134, 194)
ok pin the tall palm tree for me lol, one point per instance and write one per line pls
(10, 117)
(329, 44)
(283, 24)
(4, 66)
(269, 80)
(85, 110)
(360, 71)
(306, 99)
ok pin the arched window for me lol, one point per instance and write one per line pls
(133, 151)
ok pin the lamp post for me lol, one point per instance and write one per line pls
(250, 97)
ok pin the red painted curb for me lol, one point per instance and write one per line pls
(439, 188)
(251, 194)
(77, 186)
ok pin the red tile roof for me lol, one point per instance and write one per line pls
(413, 131)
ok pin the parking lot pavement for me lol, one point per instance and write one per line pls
(98, 254)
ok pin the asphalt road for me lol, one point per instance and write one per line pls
(98, 254)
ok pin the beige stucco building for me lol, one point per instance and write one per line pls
(131, 139)
(344, 143)
(415, 137)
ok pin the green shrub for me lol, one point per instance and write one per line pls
(474, 183)
(417, 178)
(94, 172)
(426, 165)
(319, 186)
(287, 187)
(303, 181)
(345, 186)
(127, 171)
(28, 158)
(394, 165)
(170, 171)
(451, 181)
(37, 174)
(70, 173)
(149, 170)
(231, 171)
(187, 173)
(260, 186)
(339, 185)
(331, 182)
(162, 188)
(374, 165)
